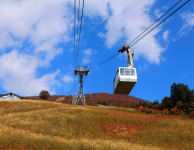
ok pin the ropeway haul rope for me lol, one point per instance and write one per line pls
(148, 30)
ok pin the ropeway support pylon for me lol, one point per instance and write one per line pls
(80, 71)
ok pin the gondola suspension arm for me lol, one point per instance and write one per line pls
(130, 55)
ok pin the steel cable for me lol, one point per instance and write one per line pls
(140, 37)
(157, 20)
(80, 31)
(171, 14)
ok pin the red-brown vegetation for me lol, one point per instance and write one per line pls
(121, 129)
(165, 111)
(100, 98)
(148, 110)
(191, 114)
(175, 111)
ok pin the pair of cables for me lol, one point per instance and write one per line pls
(78, 21)
(164, 17)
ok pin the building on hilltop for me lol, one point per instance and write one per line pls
(10, 96)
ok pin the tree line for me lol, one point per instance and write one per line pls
(181, 99)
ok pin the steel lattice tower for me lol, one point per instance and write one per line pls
(81, 71)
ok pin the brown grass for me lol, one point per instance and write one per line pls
(37, 125)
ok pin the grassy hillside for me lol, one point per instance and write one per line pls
(38, 125)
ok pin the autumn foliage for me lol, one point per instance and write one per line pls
(180, 101)
(175, 111)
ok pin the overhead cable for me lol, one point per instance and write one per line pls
(157, 20)
(77, 30)
(74, 45)
(80, 30)
(104, 62)
(171, 14)
(78, 21)
(149, 29)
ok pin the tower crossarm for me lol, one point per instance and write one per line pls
(81, 70)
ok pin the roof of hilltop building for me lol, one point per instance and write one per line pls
(9, 96)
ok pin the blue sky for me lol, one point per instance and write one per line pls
(36, 46)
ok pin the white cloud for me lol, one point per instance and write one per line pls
(43, 25)
(18, 74)
(87, 54)
(125, 19)
(188, 19)
(85, 61)
(68, 79)
(166, 35)
(97, 8)
(6, 41)
(157, 13)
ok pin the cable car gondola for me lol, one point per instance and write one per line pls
(125, 80)
(126, 77)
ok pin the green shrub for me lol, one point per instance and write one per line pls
(167, 103)
(180, 92)
(44, 94)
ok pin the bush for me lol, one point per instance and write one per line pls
(192, 95)
(101, 103)
(140, 108)
(165, 111)
(180, 92)
(167, 103)
(155, 102)
(157, 107)
(175, 111)
(191, 114)
(44, 94)
(187, 107)
(147, 111)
